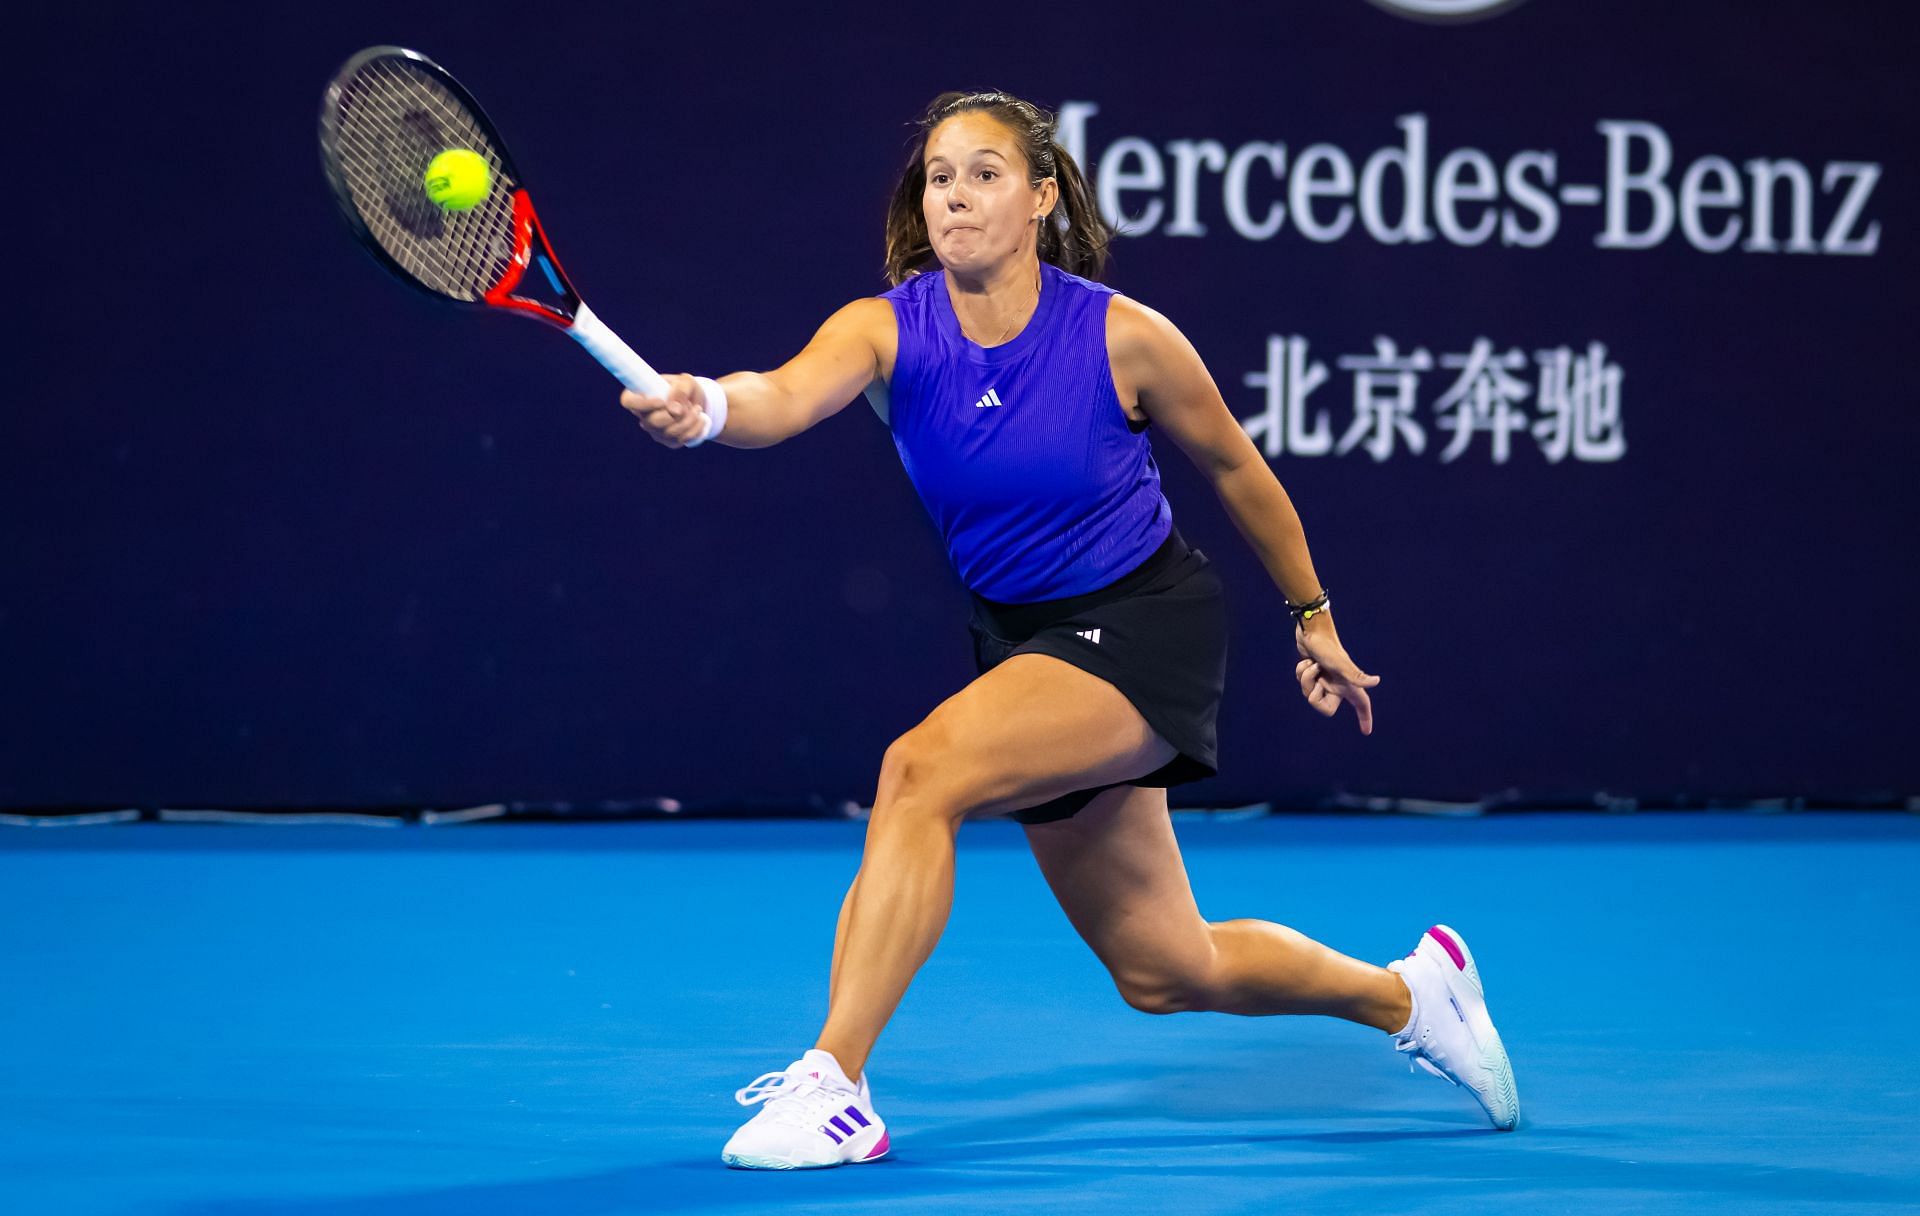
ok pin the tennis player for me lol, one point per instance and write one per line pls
(1019, 391)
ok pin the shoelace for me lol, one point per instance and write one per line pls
(785, 1094)
(1416, 1057)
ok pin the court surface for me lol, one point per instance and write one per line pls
(1706, 1012)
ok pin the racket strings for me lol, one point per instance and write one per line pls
(393, 119)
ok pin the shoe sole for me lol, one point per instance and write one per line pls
(1503, 1104)
(735, 1161)
(741, 1161)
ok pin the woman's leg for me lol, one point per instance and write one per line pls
(839, 940)
(1116, 870)
(1031, 729)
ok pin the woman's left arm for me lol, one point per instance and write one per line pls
(1155, 365)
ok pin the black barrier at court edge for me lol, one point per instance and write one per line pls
(1577, 333)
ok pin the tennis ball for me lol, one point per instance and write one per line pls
(458, 179)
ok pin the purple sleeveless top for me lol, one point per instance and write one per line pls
(1039, 484)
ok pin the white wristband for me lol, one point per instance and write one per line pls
(715, 399)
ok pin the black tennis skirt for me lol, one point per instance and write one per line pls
(1157, 633)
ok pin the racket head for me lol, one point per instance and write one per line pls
(385, 115)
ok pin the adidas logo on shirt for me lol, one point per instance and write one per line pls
(1092, 635)
(987, 402)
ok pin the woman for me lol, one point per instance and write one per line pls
(1018, 392)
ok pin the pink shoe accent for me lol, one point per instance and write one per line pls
(1448, 944)
(878, 1149)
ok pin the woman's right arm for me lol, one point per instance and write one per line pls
(851, 349)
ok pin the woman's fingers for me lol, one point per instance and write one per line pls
(1362, 707)
(673, 420)
(1325, 690)
(658, 424)
(1344, 670)
(1351, 686)
(645, 409)
(1323, 696)
(678, 400)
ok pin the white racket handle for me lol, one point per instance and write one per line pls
(634, 372)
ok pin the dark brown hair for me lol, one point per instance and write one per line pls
(1074, 237)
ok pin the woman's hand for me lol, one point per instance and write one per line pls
(1328, 676)
(674, 420)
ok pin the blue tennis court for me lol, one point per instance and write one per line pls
(435, 713)
(1707, 1012)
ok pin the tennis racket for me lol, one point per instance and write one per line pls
(386, 115)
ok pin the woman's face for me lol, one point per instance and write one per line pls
(978, 206)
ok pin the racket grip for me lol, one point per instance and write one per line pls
(630, 369)
(614, 355)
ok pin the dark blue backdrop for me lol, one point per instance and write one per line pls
(276, 530)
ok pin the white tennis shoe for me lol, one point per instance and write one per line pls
(1450, 1034)
(813, 1117)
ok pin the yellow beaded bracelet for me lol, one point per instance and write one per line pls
(1303, 613)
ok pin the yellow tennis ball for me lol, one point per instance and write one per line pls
(458, 179)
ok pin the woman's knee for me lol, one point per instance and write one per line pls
(1183, 986)
(1163, 995)
(910, 761)
(916, 777)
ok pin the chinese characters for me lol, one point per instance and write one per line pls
(1569, 405)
